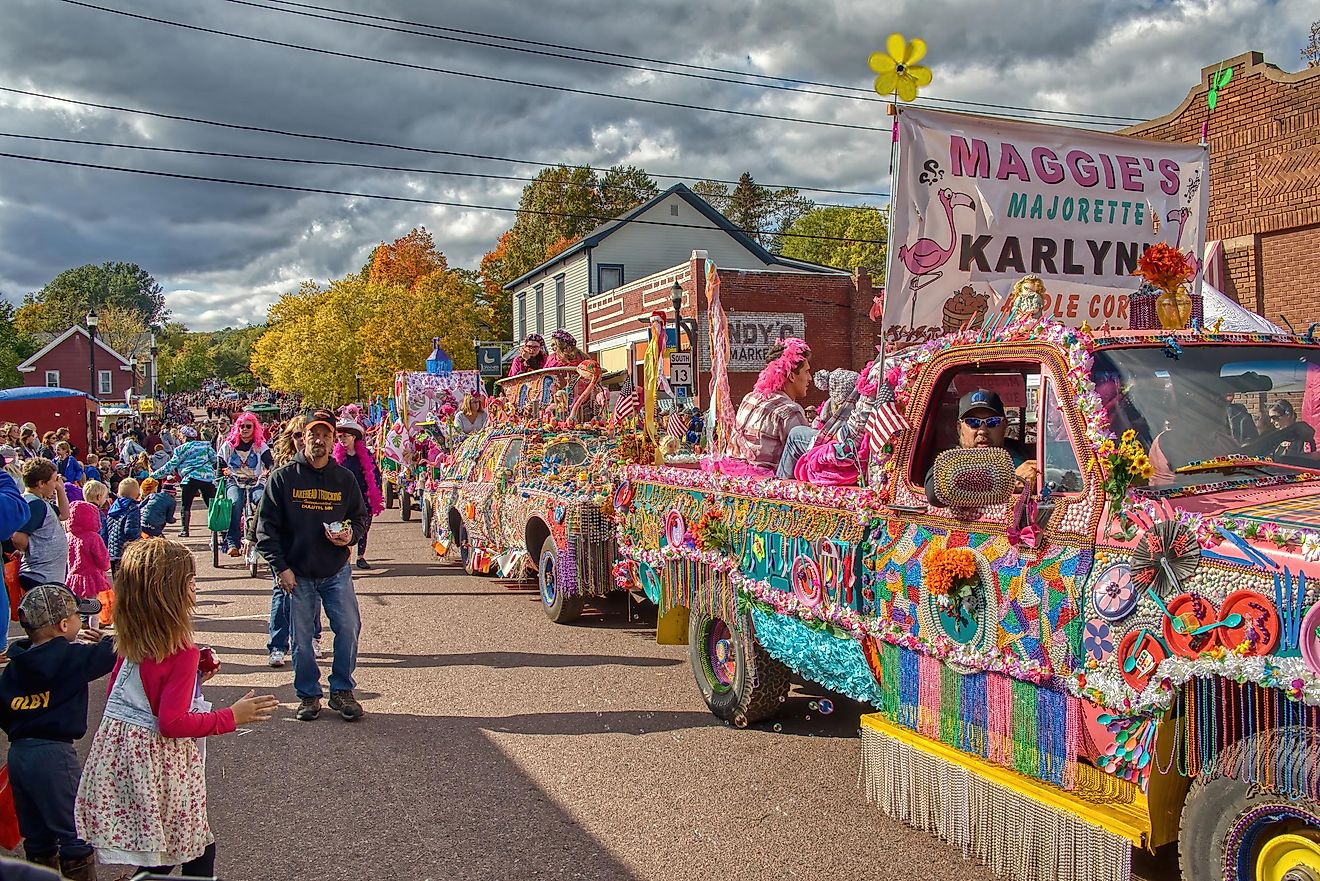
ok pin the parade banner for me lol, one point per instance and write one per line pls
(980, 202)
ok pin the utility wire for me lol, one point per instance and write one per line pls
(407, 65)
(364, 143)
(220, 154)
(413, 200)
(478, 38)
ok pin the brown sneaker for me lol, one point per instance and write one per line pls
(308, 710)
(79, 870)
(343, 703)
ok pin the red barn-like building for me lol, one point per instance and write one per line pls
(66, 362)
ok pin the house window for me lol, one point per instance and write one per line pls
(609, 276)
(673, 210)
(540, 308)
(522, 315)
(52, 379)
(561, 307)
(105, 383)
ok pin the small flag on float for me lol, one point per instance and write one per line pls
(626, 407)
(886, 421)
(677, 423)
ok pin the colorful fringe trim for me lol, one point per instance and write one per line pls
(1247, 732)
(1015, 836)
(1032, 729)
(837, 663)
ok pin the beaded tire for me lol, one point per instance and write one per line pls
(1225, 824)
(735, 690)
(559, 608)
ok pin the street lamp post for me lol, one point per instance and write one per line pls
(155, 350)
(92, 321)
(357, 377)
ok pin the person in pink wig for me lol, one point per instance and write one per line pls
(772, 409)
(246, 459)
(351, 451)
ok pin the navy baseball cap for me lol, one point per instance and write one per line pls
(981, 399)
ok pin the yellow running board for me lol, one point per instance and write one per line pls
(1020, 827)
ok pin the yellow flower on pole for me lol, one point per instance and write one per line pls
(897, 68)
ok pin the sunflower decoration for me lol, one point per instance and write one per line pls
(898, 73)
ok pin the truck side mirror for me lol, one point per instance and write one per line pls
(979, 477)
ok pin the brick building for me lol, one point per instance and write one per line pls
(829, 311)
(65, 361)
(1264, 181)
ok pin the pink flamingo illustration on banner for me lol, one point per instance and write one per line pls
(924, 257)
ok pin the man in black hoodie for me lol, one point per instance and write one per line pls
(311, 513)
(43, 710)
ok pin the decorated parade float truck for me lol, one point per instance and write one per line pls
(1056, 674)
(533, 491)
(423, 403)
(1117, 649)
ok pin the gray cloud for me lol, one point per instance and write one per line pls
(224, 253)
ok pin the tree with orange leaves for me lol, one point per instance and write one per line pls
(406, 260)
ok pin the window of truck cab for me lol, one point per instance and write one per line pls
(1036, 418)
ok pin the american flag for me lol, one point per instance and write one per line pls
(886, 421)
(626, 407)
(677, 423)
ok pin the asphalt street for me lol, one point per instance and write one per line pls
(497, 745)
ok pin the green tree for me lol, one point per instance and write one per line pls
(848, 238)
(64, 300)
(187, 368)
(761, 212)
(1311, 51)
(15, 347)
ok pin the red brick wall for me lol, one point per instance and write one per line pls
(71, 359)
(835, 309)
(1264, 180)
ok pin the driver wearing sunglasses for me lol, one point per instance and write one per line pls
(982, 422)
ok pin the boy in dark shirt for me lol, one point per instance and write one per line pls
(43, 710)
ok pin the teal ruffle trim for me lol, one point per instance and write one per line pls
(834, 662)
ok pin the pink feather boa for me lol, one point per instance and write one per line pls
(375, 504)
(775, 375)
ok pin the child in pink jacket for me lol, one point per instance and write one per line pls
(88, 558)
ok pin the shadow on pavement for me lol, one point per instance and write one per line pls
(512, 660)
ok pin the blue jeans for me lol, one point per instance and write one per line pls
(44, 775)
(238, 494)
(281, 623)
(341, 607)
(799, 441)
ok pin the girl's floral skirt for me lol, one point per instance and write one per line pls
(142, 801)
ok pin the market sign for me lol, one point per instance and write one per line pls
(980, 202)
(751, 336)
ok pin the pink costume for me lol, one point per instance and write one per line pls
(88, 558)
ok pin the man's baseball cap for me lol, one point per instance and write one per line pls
(48, 604)
(981, 399)
(321, 417)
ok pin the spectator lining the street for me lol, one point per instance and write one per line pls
(142, 801)
(158, 508)
(57, 660)
(89, 559)
(286, 446)
(123, 521)
(69, 467)
(42, 539)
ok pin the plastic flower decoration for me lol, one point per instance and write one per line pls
(897, 68)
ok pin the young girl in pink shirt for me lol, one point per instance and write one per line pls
(142, 801)
(89, 561)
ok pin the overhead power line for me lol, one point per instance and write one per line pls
(407, 65)
(402, 147)
(413, 200)
(368, 166)
(556, 50)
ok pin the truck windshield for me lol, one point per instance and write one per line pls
(1243, 405)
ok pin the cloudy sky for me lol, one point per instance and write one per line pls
(224, 253)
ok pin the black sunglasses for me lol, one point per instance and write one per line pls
(988, 422)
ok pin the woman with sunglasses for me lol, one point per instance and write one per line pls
(982, 422)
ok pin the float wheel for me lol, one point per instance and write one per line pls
(559, 608)
(405, 506)
(389, 494)
(427, 530)
(1228, 831)
(724, 676)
